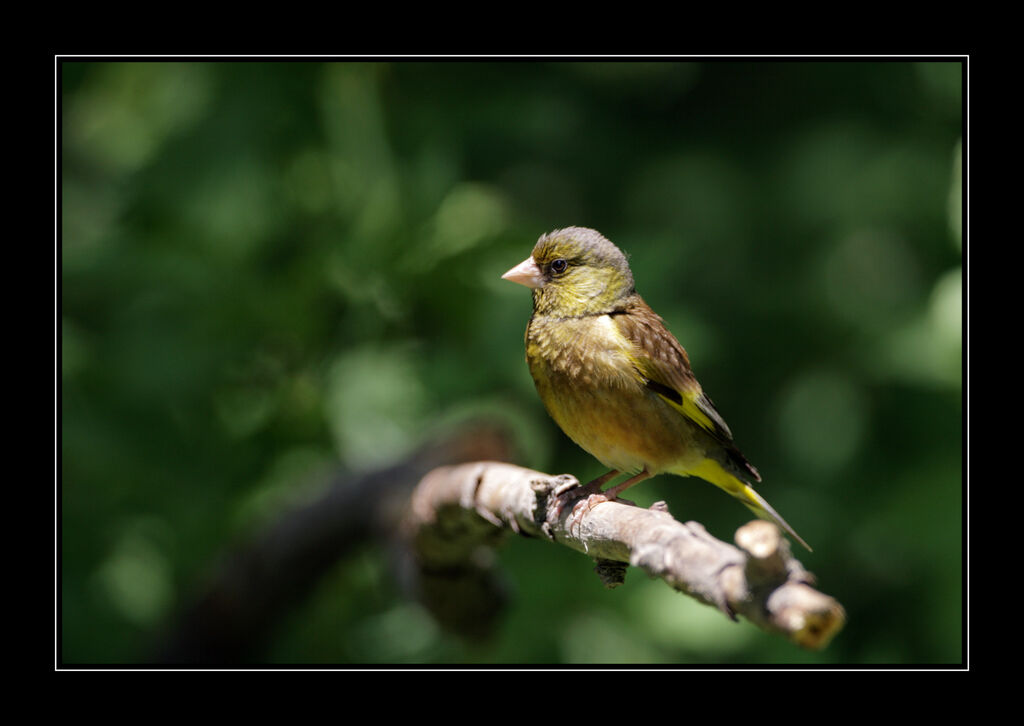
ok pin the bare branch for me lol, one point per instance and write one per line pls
(458, 513)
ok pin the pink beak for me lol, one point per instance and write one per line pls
(525, 273)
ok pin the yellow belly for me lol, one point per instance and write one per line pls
(591, 390)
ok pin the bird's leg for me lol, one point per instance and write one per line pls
(616, 490)
(596, 484)
(585, 505)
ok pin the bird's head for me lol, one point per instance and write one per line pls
(574, 271)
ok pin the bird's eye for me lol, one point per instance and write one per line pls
(558, 266)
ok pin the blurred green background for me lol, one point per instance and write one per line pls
(270, 269)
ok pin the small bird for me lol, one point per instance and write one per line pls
(616, 380)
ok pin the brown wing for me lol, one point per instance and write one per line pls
(663, 366)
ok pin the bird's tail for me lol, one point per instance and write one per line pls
(713, 472)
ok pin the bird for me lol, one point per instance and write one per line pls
(614, 378)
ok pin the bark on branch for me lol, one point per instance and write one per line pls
(457, 513)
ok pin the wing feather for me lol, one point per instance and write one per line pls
(663, 366)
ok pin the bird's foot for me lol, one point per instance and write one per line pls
(571, 491)
(579, 510)
(583, 506)
(596, 496)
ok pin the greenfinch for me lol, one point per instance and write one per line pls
(614, 378)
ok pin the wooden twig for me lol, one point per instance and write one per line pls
(458, 512)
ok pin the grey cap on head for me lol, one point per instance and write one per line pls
(593, 247)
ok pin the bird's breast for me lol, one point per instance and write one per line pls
(588, 351)
(587, 381)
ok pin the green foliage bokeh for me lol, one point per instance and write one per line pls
(270, 268)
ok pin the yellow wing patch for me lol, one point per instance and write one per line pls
(693, 411)
(691, 403)
(661, 364)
